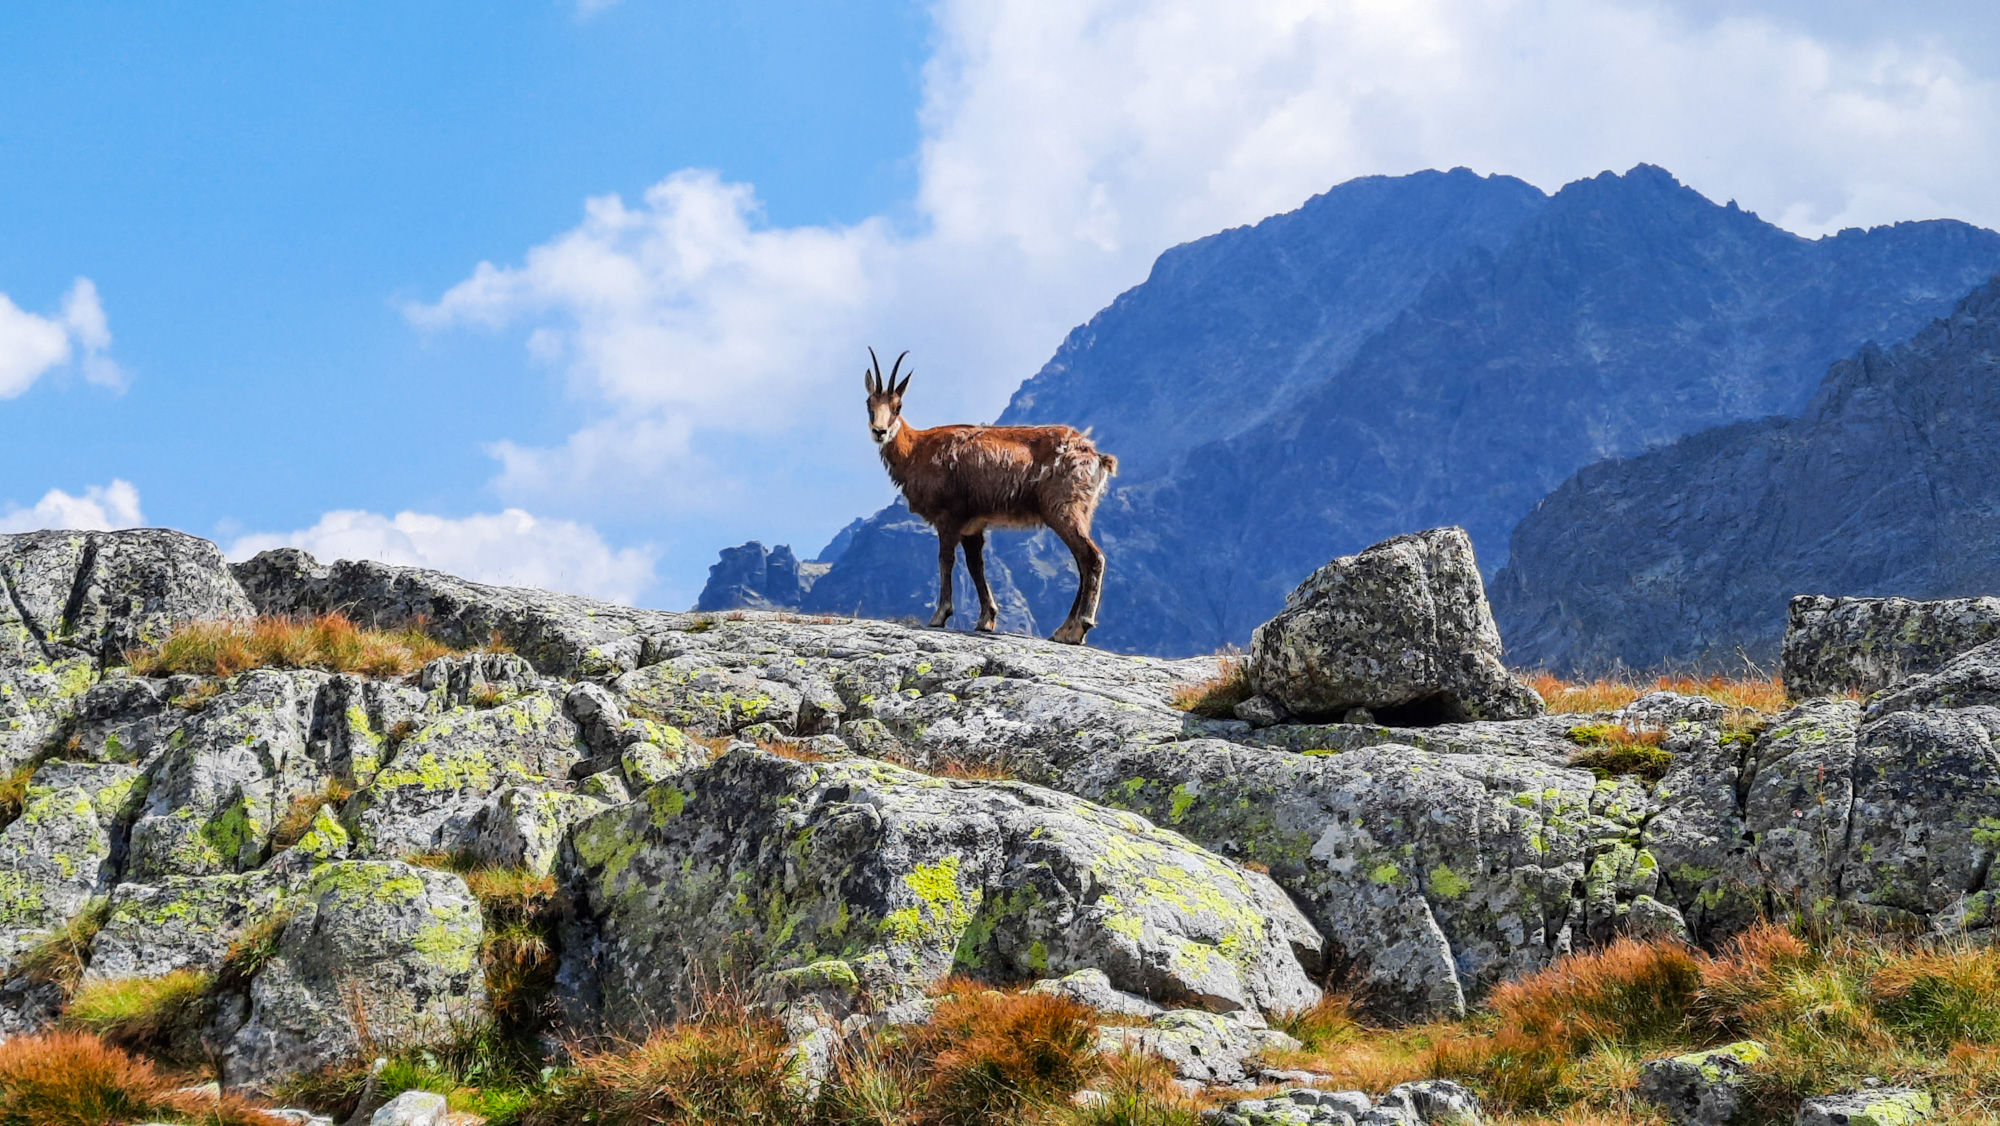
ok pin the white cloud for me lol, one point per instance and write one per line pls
(31, 345)
(100, 508)
(510, 548)
(1066, 145)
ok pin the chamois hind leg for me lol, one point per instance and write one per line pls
(947, 555)
(975, 564)
(1089, 580)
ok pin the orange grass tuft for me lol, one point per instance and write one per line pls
(988, 1056)
(1565, 697)
(329, 641)
(728, 1066)
(1217, 696)
(74, 1079)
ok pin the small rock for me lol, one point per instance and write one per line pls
(1882, 1106)
(1093, 987)
(1664, 709)
(412, 1108)
(1701, 1088)
(1090, 1100)
(1261, 711)
(1649, 918)
(1437, 1102)
(1361, 716)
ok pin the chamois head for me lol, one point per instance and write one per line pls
(885, 398)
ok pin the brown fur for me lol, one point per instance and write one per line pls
(963, 480)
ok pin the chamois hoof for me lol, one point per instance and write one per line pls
(986, 626)
(1071, 633)
(938, 620)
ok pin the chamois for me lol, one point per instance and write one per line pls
(963, 480)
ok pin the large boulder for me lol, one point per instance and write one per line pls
(1836, 645)
(1402, 629)
(373, 949)
(1434, 875)
(75, 602)
(759, 866)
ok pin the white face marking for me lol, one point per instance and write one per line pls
(889, 435)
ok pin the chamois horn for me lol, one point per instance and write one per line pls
(876, 385)
(893, 369)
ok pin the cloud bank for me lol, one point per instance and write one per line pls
(1066, 145)
(510, 548)
(31, 345)
(100, 508)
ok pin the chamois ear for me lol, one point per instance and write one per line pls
(904, 386)
(868, 380)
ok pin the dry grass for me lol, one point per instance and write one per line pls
(299, 818)
(329, 641)
(14, 791)
(1565, 697)
(966, 770)
(1217, 696)
(75, 1079)
(797, 752)
(987, 1055)
(1564, 1045)
(727, 1066)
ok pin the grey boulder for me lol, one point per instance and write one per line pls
(889, 879)
(1402, 629)
(1836, 645)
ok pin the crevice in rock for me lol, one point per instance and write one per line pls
(79, 588)
(21, 609)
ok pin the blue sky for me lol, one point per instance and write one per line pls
(574, 296)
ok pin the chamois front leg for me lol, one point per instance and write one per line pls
(947, 555)
(1089, 585)
(975, 565)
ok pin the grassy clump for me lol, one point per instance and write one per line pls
(297, 821)
(76, 1079)
(1217, 696)
(329, 641)
(1611, 749)
(158, 1016)
(61, 958)
(1565, 1044)
(726, 1066)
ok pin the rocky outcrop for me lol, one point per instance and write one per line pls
(1401, 629)
(1836, 645)
(769, 800)
(759, 867)
(1884, 485)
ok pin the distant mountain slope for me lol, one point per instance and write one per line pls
(1626, 313)
(1615, 316)
(1889, 483)
(1237, 323)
